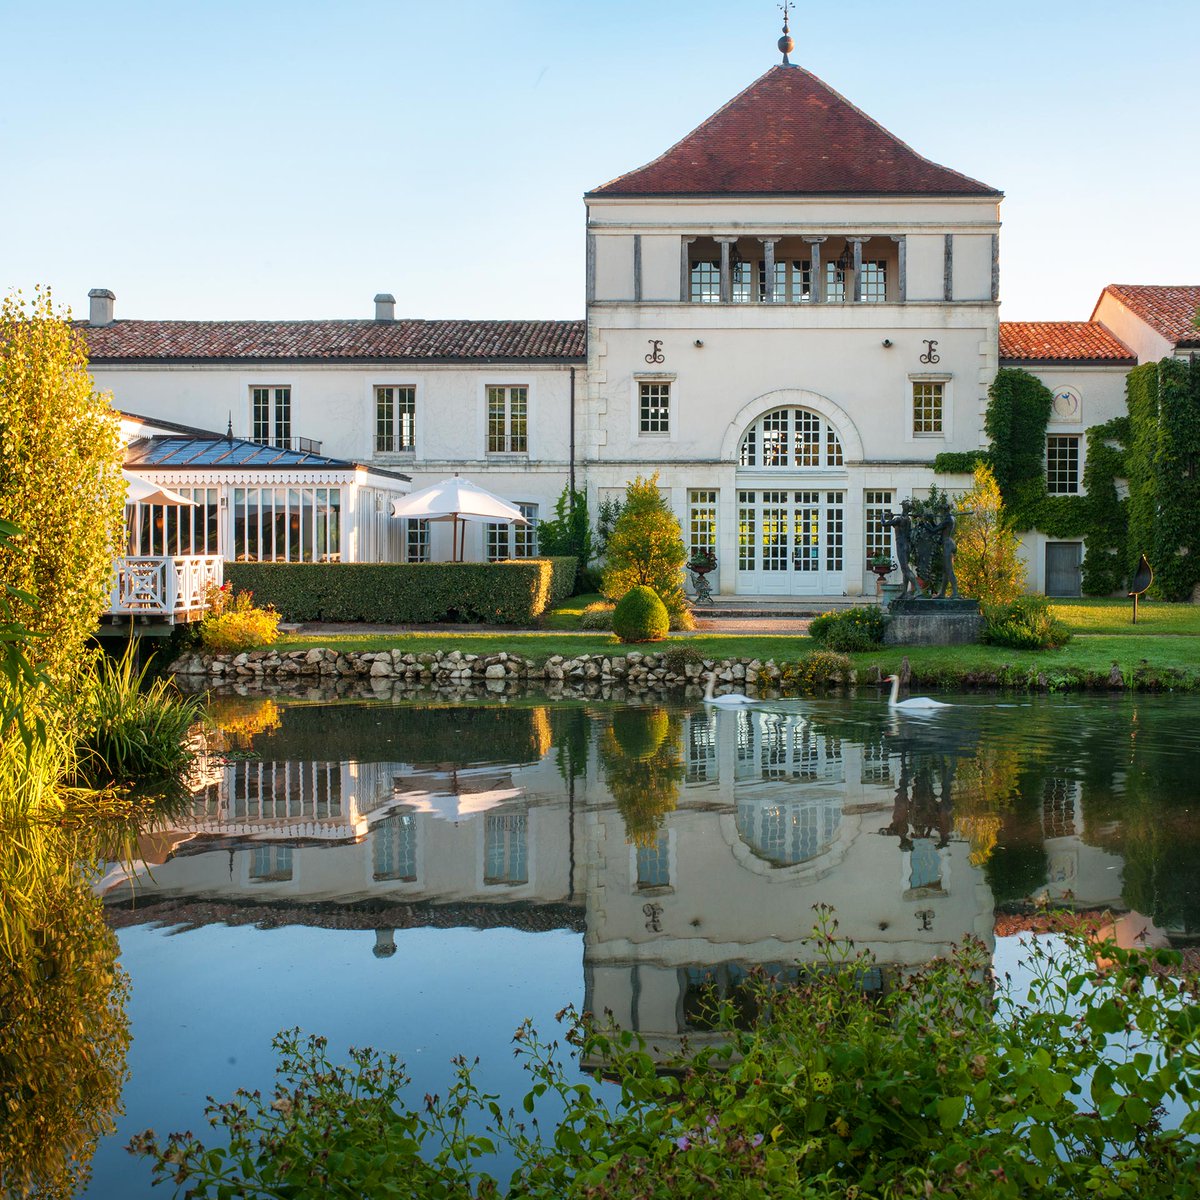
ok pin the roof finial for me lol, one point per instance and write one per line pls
(229, 428)
(786, 44)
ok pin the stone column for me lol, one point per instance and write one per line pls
(637, 268)
(768, 244)
(902, 256)
(857, 242)
(948, 268)
(685, 273)
(818, 287)
(726, 244)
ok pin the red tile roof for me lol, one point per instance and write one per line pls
(1062, 341)
(335, 341)
(1171, 310)
(791, 134)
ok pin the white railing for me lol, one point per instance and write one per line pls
(150, 585)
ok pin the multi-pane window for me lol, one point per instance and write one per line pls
(702, 523)
(835, 283)
(927, 408)
(790, 438)
(177, 530)
(701, 748)
(287, 524)
(395, 419)
(513, 541)
(271, 864)
(417, 541)
(873, 282)
(835, 530)
(706, 282)
(654, 407)
(508, 420)
(747, 531)
(877, 537)
(271, 416)
(1062, 464)
(504, 848)
(654, 864)
(792, 283)
(394, 847)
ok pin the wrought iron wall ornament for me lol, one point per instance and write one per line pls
(653, 914)
(931, 355)
(656, 355)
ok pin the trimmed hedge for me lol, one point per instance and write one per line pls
(503, 593)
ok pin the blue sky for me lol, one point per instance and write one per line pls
(264, 159)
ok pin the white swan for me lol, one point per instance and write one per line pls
(917, 702)
(733, 700)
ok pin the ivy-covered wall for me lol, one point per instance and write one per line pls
(1156, 448)
(1164, 473)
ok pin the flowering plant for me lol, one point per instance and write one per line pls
(702, 560)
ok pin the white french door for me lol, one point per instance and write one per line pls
(791, 542)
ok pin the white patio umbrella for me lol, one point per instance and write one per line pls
(142, 491)
(457, 500)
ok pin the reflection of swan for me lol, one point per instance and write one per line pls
(731, 701)
(917, 702)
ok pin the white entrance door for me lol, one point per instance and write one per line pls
(790, 542)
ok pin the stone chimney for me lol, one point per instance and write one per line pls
(385, 307)
(101, 306)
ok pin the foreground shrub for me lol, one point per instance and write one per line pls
(849, 631)
(834, 1078)
(136, 728)
(1026, 624)
(234, 623)
(597, 615)
(516, 592)
(640, 616)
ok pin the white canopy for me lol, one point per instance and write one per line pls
(142, 491)
(458, 500)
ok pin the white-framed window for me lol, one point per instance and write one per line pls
(513, 541)
(394, 848)
(507, 419)
(416, 541)
(271, 416)
(1062, 464)
(395, 419)
(271, 864)
(927, 400)
(299, 524)
(702, 522)
(654, 407)
(835, 284)
(741, 281)
(873, 285)
(702, 748)
(877, 539)
(654, 862)
(171, 530)
(835, 530)
(788, 438)
(706, 282)
(504, 848)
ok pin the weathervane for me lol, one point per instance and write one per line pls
(786, 44)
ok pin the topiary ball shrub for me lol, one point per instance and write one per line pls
(640, 616)
(849, 631)
(1025, 624)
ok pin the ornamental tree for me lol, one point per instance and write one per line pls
(646, 548)
(60, 482)
(987, 563)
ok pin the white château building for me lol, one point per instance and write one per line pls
(790, 313)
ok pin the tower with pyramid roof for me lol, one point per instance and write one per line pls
(790, 314)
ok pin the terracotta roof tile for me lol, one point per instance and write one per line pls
(335, 341)
(1062, 341)
(1171, 310)
(791, 134)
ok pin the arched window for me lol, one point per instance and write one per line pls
(790, 439)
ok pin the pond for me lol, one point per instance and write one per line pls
(422, 876)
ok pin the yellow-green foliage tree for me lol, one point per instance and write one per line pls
(60, 481)
(987, 564)
(646, 548)
(643, 766)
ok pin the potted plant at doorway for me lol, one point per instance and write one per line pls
(882, 564)
(702, 562)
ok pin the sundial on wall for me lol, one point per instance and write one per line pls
(1068, 404)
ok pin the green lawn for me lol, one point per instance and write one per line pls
(1166, 636)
